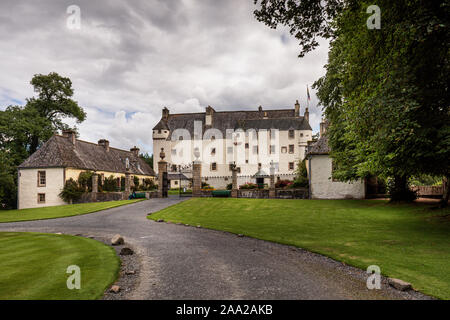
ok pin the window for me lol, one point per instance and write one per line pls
(41, 179)
(230, 149)
(41, 197)
(213, 166)
(301, 134)
(255, 149)
(176, 182)
(291, 166)
(174, 167)
(291, 148)
(283, 149)
(246, 161)
(246, 146)
(238, 170)
(272, 133)
(291, 134)
(272, 149)
(174, 152)
(159, 131)
(213, 151)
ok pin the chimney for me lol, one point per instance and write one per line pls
(104, 143)
(70, 134)
(306, 116)
(209, 118)
(165, 113)
(323, 127)
(135, 151)
(297, 109)
(260, 109)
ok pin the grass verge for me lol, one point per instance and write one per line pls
(59, 211)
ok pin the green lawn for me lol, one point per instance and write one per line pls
(410, 242)
(33, 266)
(59, 211)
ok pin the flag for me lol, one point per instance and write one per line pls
(307, 92)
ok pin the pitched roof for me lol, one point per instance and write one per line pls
(59, 151)
(320, 147)
(282, 119)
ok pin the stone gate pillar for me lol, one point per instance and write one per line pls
(197, 179)
(162, 169)
(127, 182)
(272, 192)
(234, 188)
(95, 183)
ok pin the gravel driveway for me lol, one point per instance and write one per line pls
(180, 262)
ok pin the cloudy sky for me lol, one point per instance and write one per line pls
(131, 58)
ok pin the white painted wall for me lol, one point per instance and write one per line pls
(323, 187)
(29, 190)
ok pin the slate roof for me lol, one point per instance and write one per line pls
(320, 147)
(176, 176)
(59, 152)
(282, 119)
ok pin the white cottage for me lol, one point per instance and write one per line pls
(320, 166)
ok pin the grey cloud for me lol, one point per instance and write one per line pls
(137, 56)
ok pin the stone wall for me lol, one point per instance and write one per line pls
(102, 197)
(429, 191)
(300, 193)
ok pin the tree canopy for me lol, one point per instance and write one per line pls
(385, 92)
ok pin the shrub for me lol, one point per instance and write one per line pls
(300, 182)
(283, 184)
(248, 185)
(205, 185)
(85, 180)
(72, 191)
(110, 184)
(229, 186)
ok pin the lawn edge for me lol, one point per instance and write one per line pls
(80, 214)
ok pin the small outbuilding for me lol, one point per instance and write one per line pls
(319, 166)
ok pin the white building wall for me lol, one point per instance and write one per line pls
(323, 187)
(29, 190)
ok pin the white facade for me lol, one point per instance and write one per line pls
(219, 153)
(30, 191)
(322, 185)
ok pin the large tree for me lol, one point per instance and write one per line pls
(54, 102)
(24, 129)
(385, 92)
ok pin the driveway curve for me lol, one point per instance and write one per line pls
(181, 262)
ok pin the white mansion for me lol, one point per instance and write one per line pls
(254, 140)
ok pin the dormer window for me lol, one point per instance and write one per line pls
(291, 134)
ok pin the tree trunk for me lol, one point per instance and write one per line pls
(446, 194)
(399, 191)
(34, 144)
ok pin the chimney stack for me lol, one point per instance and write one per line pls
(209, 116)
(70, 134)
(306, 115)
(165, 113)
(323, 127)
(104, 143)
(135, 151)
(297, 109)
